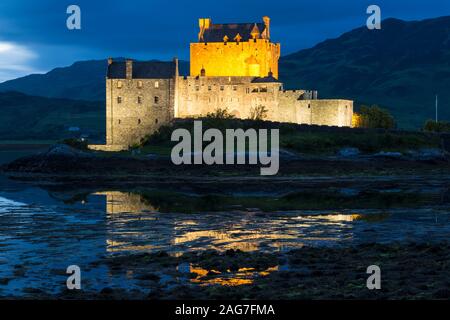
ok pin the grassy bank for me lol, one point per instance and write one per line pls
(304, 139)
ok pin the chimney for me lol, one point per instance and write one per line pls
(129, 69)
(266, 20)
(204, 24)
(110, 61)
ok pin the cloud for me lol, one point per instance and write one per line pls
(15, 61)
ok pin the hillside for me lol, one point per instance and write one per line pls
(402, 67)
(83, 80)
(30, 117)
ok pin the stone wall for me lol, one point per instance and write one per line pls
(239, 95)
(137, 107)
(251, 58)
(329, 112)
(200, 95)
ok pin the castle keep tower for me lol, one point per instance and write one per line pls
(235, 49)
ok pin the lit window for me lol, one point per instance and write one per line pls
(156, 99)
(119, 84)
(156, 84)
(119, 99)
(140, 84)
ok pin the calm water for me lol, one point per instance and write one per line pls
(42, 232)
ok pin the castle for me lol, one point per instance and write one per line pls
(232, 67)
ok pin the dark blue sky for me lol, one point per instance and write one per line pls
(34, 37)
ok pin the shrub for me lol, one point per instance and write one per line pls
(220, 114)
(375, 117)
(258, 113)
(440, 126)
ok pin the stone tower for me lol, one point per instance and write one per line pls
(235, 49)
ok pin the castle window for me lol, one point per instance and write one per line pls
(156, 99)
(247, 90)
(234, 88)
(222, 88)
(156, 84)
(139, 121)
(156, 121)
(309, 106)
(119, 84)
(140, 84)
(119, 99)
(139, 100)
(197, 88)
(263, 89)
(119, 121)
(209, 88)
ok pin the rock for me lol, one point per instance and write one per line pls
(63, 150)
(149, 276)
(349, 152)
(107, 291)
(431, 154)
(392, 155)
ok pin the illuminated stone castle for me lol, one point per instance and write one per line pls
(232, 67)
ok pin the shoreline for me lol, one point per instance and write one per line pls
(408, 271)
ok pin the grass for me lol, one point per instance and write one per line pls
(326, 142)
(305, 139)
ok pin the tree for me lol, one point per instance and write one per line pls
(258, 113)
(220, 114)
(375, 117)
(440, 126)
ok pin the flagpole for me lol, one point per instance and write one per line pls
(437, 108)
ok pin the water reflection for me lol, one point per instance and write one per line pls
(243, 276)
(134, 224)
(44, 232)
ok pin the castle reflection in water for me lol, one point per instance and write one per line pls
(135, 224)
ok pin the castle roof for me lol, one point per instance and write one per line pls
(217, 32)
(269, 78)
(143, 70)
